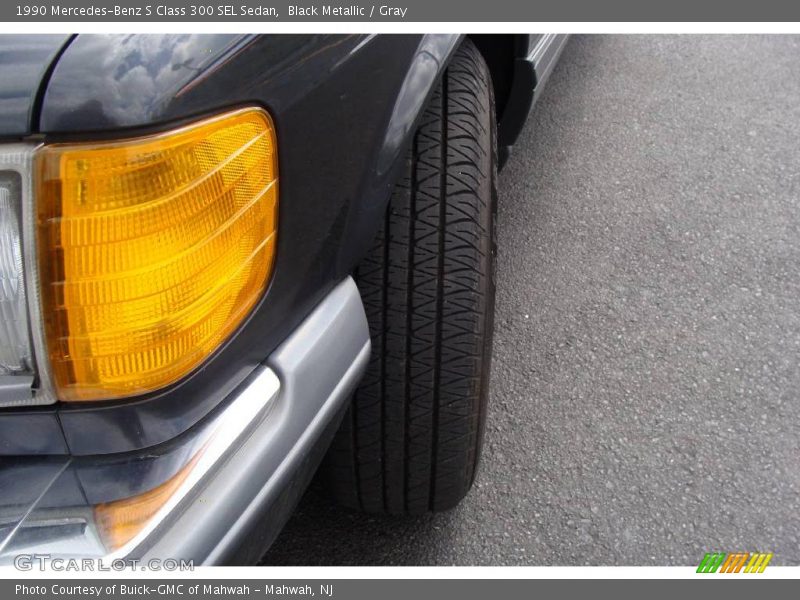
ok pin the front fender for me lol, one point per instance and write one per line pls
(344, 107)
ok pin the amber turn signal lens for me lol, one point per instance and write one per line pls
(152, 251)
(120, 521)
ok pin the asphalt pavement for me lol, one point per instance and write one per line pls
(646, 374)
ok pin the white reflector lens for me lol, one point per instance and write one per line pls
(15, 347)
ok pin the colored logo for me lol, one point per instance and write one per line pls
(737, 562)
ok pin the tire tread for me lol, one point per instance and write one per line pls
(412, 440)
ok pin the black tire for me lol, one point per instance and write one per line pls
(412, 438)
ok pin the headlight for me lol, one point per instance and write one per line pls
(152, 251)
(15, 347)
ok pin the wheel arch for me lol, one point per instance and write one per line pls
(513, 81)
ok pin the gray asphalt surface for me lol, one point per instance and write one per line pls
(644, 404)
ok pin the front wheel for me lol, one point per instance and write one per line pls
(412, 438)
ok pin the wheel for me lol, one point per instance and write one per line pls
(412, 438)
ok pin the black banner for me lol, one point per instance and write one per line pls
(372, 589)
(465, 11)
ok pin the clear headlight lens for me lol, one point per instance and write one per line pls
(15, 346)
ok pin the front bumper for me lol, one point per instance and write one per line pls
(239, 472)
